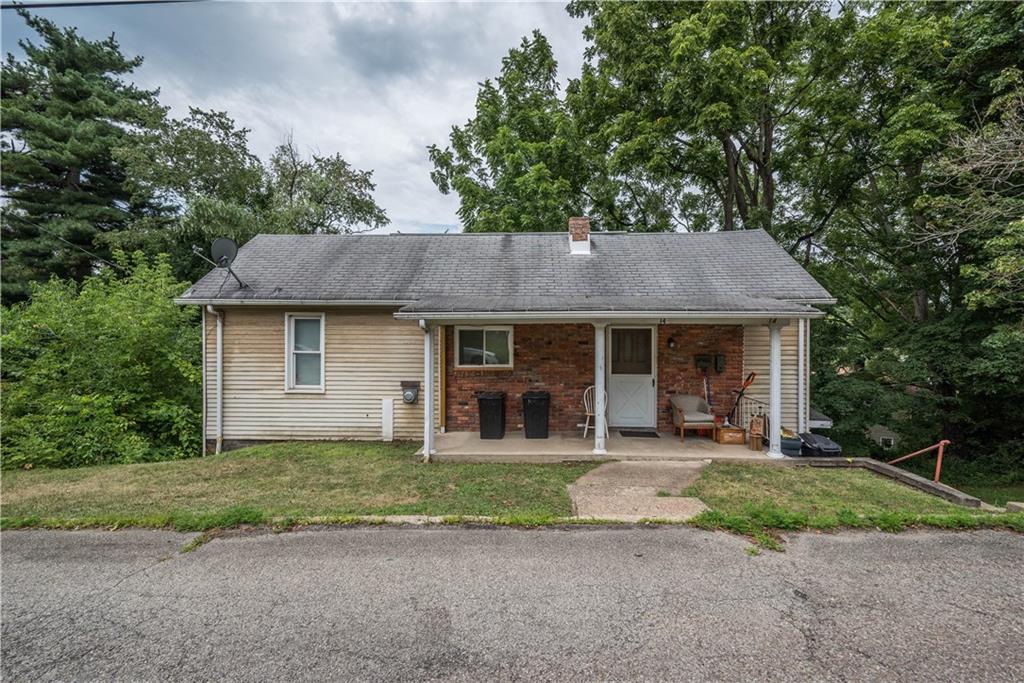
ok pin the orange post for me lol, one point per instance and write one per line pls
(938, 460)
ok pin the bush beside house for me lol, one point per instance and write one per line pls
(105, 372)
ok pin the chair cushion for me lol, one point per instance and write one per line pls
(698, 418)
(690, 404)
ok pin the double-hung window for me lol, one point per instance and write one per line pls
(304, 349)
(483, 346)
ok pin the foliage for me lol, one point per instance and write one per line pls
(103, 372)
(693, 102)
(978, 200)
(905, 249)
(515, 165)
(322, 194)
(202, 167)
(64, 110)
(92, 164)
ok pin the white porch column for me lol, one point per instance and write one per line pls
(600, 408)
(775, 387)
(428, 391)
(801, 373)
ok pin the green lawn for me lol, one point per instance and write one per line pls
(300, 482)
(994, 494)
(761, 499)
(814, 491)
(287, 480)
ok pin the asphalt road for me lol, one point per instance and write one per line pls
(482, 604)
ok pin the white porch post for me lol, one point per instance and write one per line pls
(599, 390)
(775, 387)
(801, 393)
(428, 391)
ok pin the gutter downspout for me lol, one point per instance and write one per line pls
(219, 364)
(202, 342)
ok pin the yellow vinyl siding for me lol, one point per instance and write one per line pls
(755, 359)
(367, 356)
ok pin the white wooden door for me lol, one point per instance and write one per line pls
(631, 377)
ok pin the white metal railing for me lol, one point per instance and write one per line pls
(747, 408)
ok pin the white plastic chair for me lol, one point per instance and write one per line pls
(588, 406)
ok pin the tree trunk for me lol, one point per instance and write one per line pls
(765, 171)
(730, 189)
(734, 195)
(920, 225)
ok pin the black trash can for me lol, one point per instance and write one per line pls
(818, 446)
(791, 445)
(492, 414)
(536, 406)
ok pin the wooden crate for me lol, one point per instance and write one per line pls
(731, 435)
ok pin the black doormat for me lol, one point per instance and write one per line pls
(639, 434)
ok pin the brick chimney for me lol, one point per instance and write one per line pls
(579, 235)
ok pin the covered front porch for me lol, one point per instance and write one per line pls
(633, 365)
(571, 446)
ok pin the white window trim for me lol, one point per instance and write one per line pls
(289, 386)
(485, 329)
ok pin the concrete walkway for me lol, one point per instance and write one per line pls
(628, 491)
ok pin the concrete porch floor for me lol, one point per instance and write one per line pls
(571, 446)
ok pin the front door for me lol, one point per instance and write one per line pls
(631, 390)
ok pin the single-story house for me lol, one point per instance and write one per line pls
(392, 336)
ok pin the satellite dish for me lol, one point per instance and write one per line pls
(223, 252)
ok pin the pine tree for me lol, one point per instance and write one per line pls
(65, 109)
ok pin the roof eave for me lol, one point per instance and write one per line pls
(379, 303)
(588, 316)
(829, 301)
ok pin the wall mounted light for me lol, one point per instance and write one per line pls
(671, 343)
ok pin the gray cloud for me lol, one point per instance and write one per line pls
(376, 83)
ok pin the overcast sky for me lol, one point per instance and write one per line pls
(374, 82)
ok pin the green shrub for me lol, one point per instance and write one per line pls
(108, 372)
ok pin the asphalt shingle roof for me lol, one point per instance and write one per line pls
(723, 271)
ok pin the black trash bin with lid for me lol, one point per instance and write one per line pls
(818, 446)
(492, 414)
(536, 406)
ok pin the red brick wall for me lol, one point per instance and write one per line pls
(560, 359)
(554, 358)
(678, 373)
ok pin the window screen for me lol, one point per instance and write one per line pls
(631, 352)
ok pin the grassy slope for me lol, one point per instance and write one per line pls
(299, 481)
(285, 480)
(759, 500)
(995, 484)
(994, 494)
(732, 488)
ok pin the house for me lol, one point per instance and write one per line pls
(329, 331)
